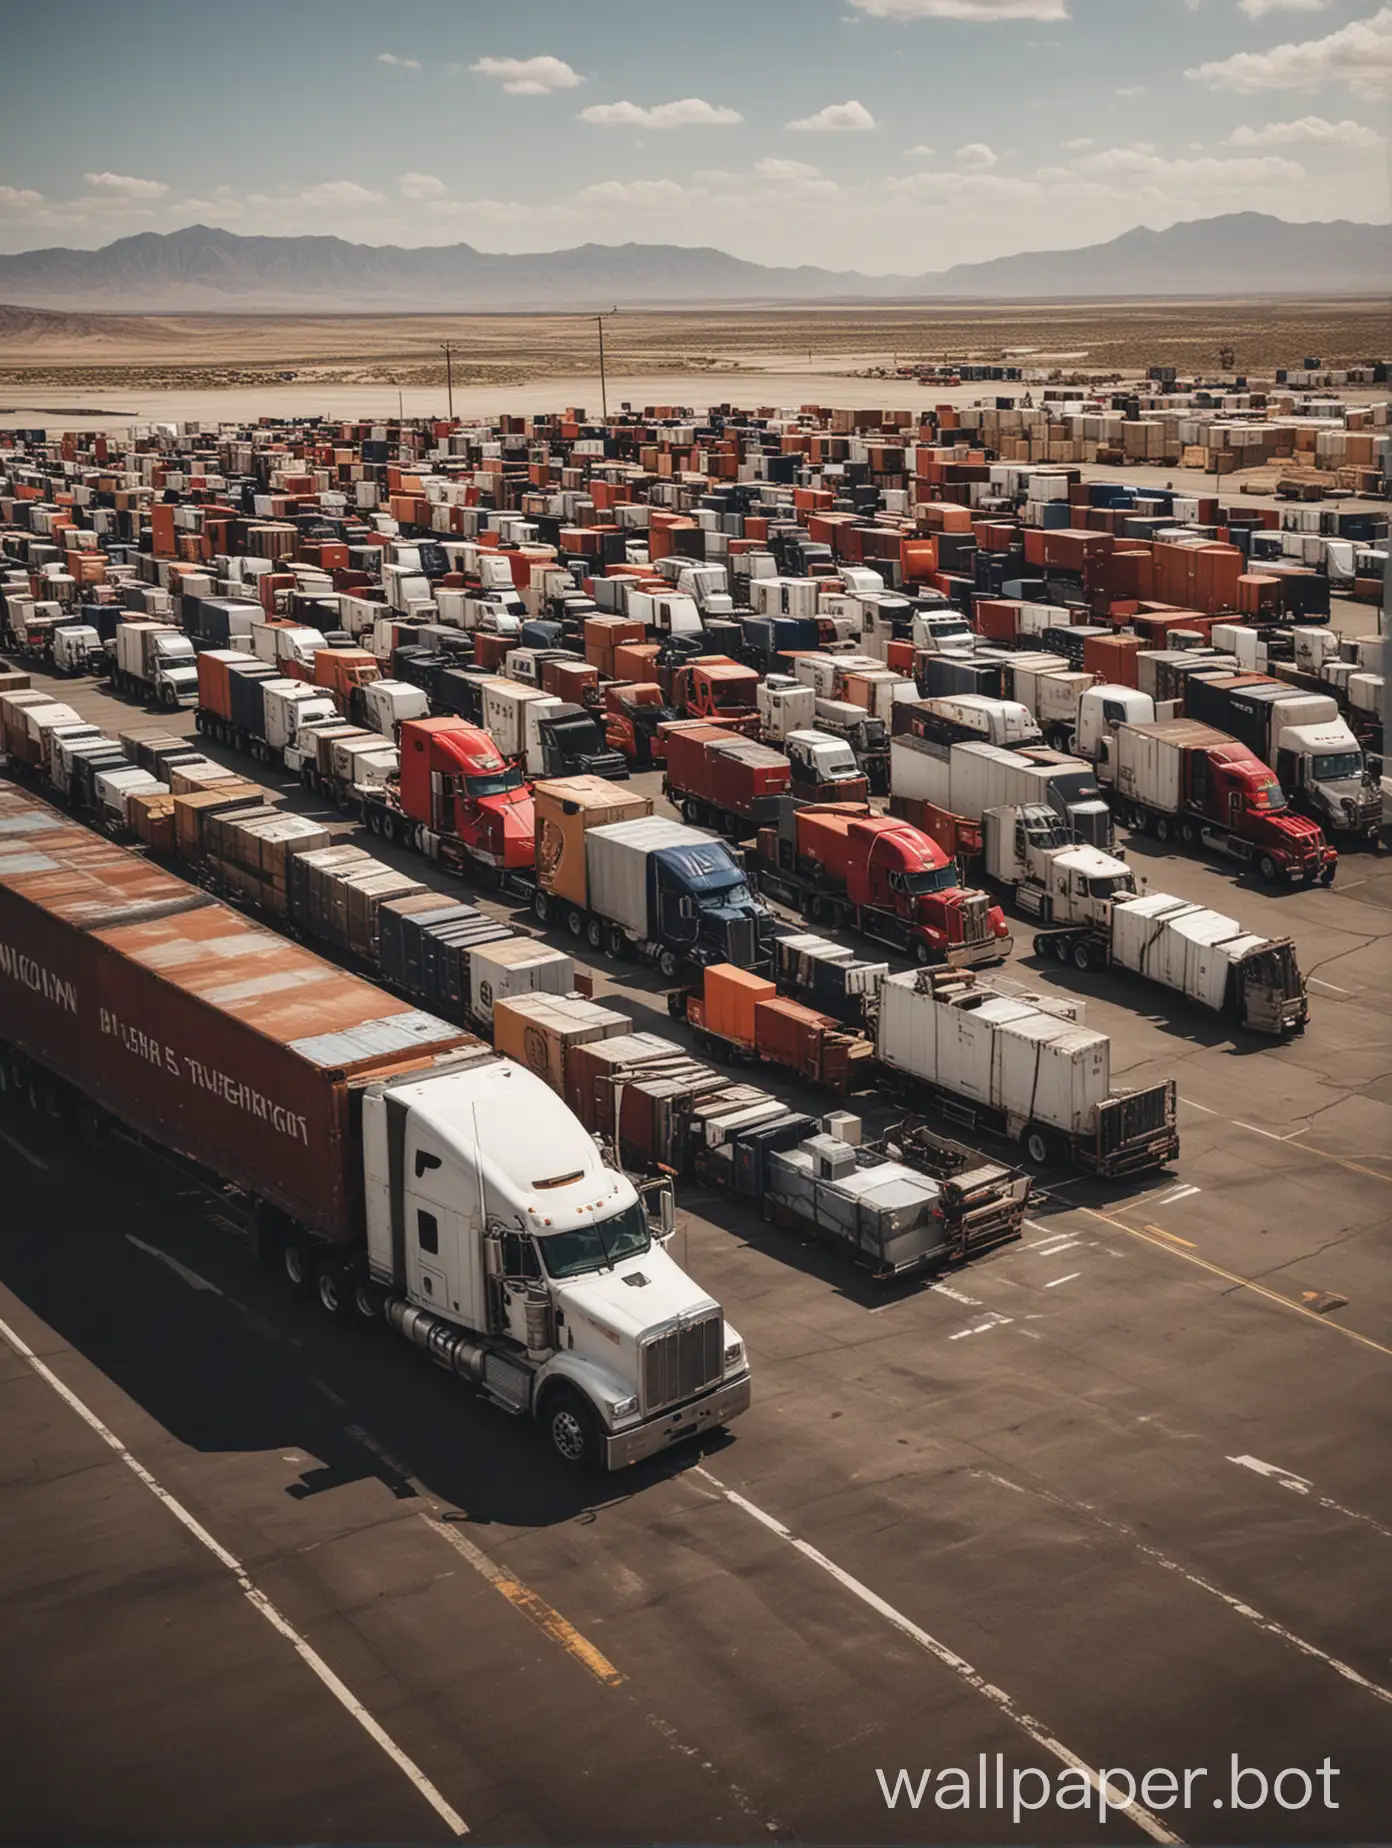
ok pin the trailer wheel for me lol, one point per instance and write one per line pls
(1038, 1144)
(1162, 828)
(691, 813)
(668, 965)
(833, 916)
(616, 944)
(1060, 949)
(1082, 958)
(297, 1264)
(332, 1289)
(541, 906)
(1041, 946)
(570, 1429)
(575, 921)
(594, 934)
(373, 818)
(388, 825)
(1268, 870)
(1188, 833)
(198, 721)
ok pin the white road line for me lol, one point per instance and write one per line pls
(1317, 981)
(34, 1161)
(1204, 1107)
(996, 1321)
(1243, 1609)
(1055, 1246)
(1054, 1282)
(958, 1296)
(1180, 1193)
(257, 1599)
(949, 1658)
(1301, 1485)
(190, 1277)
(1270, 1134)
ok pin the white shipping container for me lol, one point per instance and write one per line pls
(1184, 946)
(516, 966)
(616, 865)
(785, 709)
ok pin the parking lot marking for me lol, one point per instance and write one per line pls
(258, 1600)
(1301, 1485)
(1180, 1193)
(190, 1277)
(1204, 1107)
(1054, 1282)
(1245, 1283)
(34, 1161)
(1087, 1512)
(949, 1658)
(1317, 981)
(1174, 1235)
(1324, 1155)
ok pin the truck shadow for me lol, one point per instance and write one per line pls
(1188, 1021)
(1227, 876)
(224, 1361)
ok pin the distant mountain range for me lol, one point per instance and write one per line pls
(1244, 253)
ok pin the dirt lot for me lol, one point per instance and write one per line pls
(170, 353)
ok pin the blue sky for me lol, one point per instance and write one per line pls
(884, 135)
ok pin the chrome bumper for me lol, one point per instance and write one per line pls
(976, 955)
(677, 1424)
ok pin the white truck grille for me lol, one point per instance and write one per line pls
(683, 1360)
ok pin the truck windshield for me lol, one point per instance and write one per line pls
(940, 879)
(599, 1245)
(1269, 797)
(498, 785)
(1110, 884)
(1339, 767)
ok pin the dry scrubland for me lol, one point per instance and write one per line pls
(170, 352)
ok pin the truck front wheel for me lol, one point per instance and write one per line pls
(924, 952)
(1269, 870)
(570, 1429)
(668, 965)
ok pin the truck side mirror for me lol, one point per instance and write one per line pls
(667, 1214)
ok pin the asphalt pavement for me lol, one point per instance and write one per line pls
(1112, 1498)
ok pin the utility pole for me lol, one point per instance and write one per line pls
(449, 375)
(603, 390)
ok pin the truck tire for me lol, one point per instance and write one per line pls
(1188, 833)
(332, 1290)
(1038, 1144)
(616, 944)
(570, 1428)
(575, 921)
(1082, 958)
(297, 1263)
(924, 953)
(1326, 878)
(1268, 870)
(1162, 829)
(668, 965)
(1042, 946)
(388, 825)
(541, 906)
(594, 934)
(369, 1302)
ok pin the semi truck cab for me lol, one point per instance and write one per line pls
(1326, 776)
(1234, 790)
(824, 769)
(454, 784)
(705, 909)
(634, 713)
(572, 744)
(1056, 878)
(521, 1263)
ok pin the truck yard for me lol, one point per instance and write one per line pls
(1114, 1492)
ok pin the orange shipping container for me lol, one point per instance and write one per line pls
(565, 807)
(731, 996)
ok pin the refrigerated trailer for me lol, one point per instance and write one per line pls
(390, 1164)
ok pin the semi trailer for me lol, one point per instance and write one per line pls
(389, 1164)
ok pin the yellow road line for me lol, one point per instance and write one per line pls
(1244, 1283)
(532, 1606)
(1188, 1242)
(522, 1598)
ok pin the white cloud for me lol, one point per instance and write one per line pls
(1359, 54)
(982, 10)
(924, 186)
(689, 112)
(1258, 9)
(339, 195)
(785, 170)
(976, 157)
(1310, 131)
(501, 211)
(1079, 145)
(126, 186)
(400, 64)
(420, 186)
(529, 76)
(836, 118)
(1128, 91)
(645, 195)
(1188, 177)
(19, 198)
(921, 152)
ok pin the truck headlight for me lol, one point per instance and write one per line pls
(624, 1408)
(734, 1354)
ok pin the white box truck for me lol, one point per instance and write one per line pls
(154, 660)
(1024, 1065)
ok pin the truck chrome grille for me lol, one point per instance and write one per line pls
(683, 1361)
(976, 925)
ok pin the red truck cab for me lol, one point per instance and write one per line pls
(635, 712)
(716, 688)
(454, 783)
(1230, 786)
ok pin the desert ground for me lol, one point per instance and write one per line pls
(119, 367)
